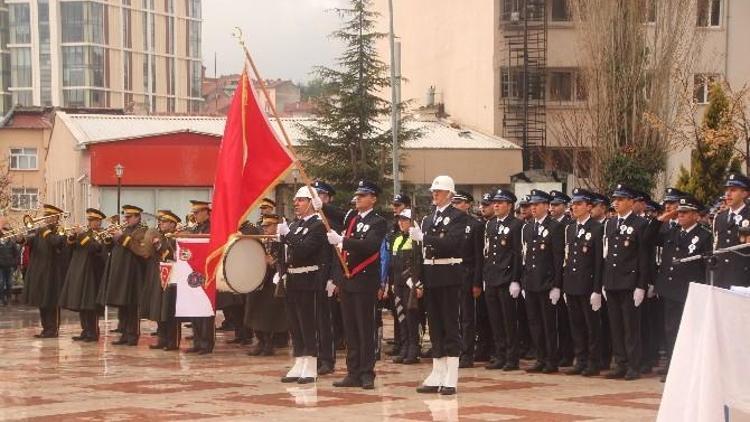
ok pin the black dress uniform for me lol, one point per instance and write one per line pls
(361, 245)
(675, 277)
(204, 329)
(626, 268)
(265, 311)
(582, 277)
(731, 269)
(543, 245)
(565, 347)
(405, 255)
(306, 249)
(503, 266)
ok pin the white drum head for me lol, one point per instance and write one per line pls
(244, 266)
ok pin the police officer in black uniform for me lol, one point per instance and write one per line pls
(502, 279)
(626, 275)
(690, 239)
(543, 252)
(582, 283)
(442, 236)
(558, 210)
(732, 269)
(361, 243)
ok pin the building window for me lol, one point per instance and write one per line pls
(24, 198)
(709, 13)
(22, 98)
(128, 71)
(510, 83)
(83, 22)
(169, 6)
(561, 86)
(23, 159)
(513, 10)
(193, 8)
(702, 87)
(560, 11)
(71, 14)
(170, 35)
(127, 35)
(194, 39)
(195, 79)
(74, 98)
(74, 66)
(20, 24)
(20, 63)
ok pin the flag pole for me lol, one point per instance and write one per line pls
(237, 33)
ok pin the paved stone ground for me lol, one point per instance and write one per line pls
(63, 380)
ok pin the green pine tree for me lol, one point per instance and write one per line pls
(714, 157)
(350, 140)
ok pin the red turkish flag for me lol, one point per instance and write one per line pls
(251, 161)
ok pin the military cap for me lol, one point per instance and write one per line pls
(673, 195)
(504, 195)
(583, 195)
(93, 213)
(199, 205)
(168, 215)
(51, 209)
(267, 203)
(737, 180)
(323, 187)
(558, 197)
(486, 198)
(131, 210)
(539, 196)
(622, 191)
(689, 203)
(270, 219)
(462, 195)
(402, 198)
(366, 187)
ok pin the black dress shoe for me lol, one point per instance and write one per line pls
(632, 375)
(193, 350)
(616, 374)
(576, 370)
(511, 366)
(411, 360)
(348, 381)
(120, 342)
(325, 369)
(40, 335)
(591, 371)
(481, 357)
(537, 368)
(368, 383)
(288, 380)
(171, 348)
(495, 364)
(566, 362)
(465, 363)
(205, 351)
(115, 330)
(549, 369)
(398, 359)
(133, 343)
(79, 338)
(234, 341)
(156, 346)
(447, 391)
(427, 389)
(306, 380)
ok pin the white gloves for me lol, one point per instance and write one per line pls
(317, 203)
(416, 234)
(651, 292)
(604, 293)
(334, 238)
(282, 228)
(554, 295)
(276, 279)
(330, 287)
(409, 283)
(523, 293)
(638, 295)
(595, 301)
(565, 298)
(514, 289)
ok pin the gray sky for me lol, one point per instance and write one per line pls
(287, 38)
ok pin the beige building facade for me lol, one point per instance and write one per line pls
(459, 51)
(143, 56)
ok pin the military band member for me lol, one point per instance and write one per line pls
(124, 272)
(732, 269)
(43, 279)
(502, 279)
(84, 275)
(169, 333)
(674, 278)
(543, 245)
(582, 283)
(406, 289)
(625, 279)
(361, 242)
(442, 237)
(472, 262)
(204, 331)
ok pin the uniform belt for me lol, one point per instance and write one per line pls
(302, 270)
(443, 261)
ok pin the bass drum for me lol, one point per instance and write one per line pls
(243, 267)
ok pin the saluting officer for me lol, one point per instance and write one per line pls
(582, 283)
(544, 249)
(674, 278)
(361, 242)
(442, 236)
(626, 275)
(502, 279)
(471, 289)
(306, 251)
(732, 269)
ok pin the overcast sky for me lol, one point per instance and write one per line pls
(287, 38)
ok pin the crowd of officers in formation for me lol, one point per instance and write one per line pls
(575, 282)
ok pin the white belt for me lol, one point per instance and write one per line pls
(302, 270)
(443, 261)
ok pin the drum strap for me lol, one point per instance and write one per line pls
(362, 265)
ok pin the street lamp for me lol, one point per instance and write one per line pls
(119, 170)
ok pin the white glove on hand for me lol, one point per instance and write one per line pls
(282, 228)
(604, 293)
(523, 293)
(595, 301)
(330, 287)
(638, 296)
(276, 279)
(409, 283)
(651, 292)
(514, 290)
(554, 295)
(334, 238)
(565, 298)
(317, 203)
(416, 234)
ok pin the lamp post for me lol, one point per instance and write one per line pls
(119, 170)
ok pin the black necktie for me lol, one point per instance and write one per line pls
(580, 227)
(619, 222)
(731, 217)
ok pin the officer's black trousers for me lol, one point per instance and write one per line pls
(605, 337)
(132, 323)
(525, 342)
(672, 317)
(204, 333)
(484, 330)
(170, 325)
(324, 326)
(442, 306)
(50, 319)
(300, 310)
(89, 323)
(358, 312)
(652, 330)
(468, 321)
(564, 337)
(503, 317)
(585, 328)
(408, 322)
(625, 326)
(542, 325)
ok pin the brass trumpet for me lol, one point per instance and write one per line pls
(36, 222)
(108, 233)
